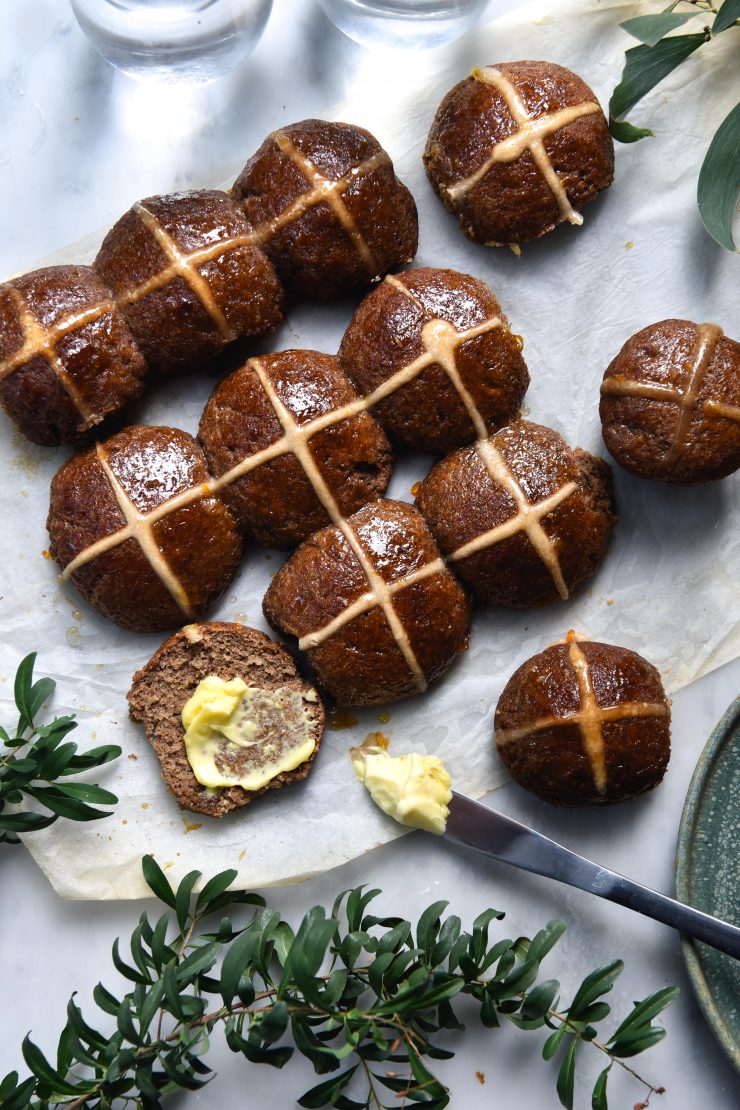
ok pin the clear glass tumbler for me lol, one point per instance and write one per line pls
(193, 39)
(416, 24)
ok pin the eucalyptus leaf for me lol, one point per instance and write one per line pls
(727, 15)
(650, 29)
(719, 181)
(646, 66)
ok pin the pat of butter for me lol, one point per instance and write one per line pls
(414, 789)
(223, 718)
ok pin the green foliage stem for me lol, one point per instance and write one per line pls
(36, 761)
(647, 65)
(365, 999)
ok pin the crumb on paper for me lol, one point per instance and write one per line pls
(629, 244)
(145, 805)
(242, 854)
(384, 717)
(191, 827)
(481, 1077)
(46, 554)
(124, 821)
(169, 863)
(610, 601)
(132, 756)
(415, 489)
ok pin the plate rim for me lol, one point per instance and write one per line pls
(720, 735)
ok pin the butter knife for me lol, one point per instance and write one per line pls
(494, 834)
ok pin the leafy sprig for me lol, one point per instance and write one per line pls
(363, 998)
(35, 762)
(646, 65)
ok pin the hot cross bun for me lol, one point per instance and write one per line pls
(134, 523)
(188, 278)
(584, 723)
(292, 446)
(327, 207)
(67, 357)
(433, 352)
(521, 517)
(516, 149)
(670, 403)
(372, 604)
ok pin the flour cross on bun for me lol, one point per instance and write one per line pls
(518, 148)
(40, 339)
(136, 525)
(584, 723)
(378, 590)
(185, 265)
(323, 190)
(665, 400)
(434, 350)
(185, 272)
(527, 518)
(67, 358)
(524, 518)
(325, 205)
(528, 136)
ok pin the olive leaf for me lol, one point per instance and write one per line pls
(364, 999)
(35, 758)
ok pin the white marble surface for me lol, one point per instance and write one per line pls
(77, 140)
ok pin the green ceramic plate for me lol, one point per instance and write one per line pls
(708, 875)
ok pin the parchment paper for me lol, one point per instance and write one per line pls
(670, 584)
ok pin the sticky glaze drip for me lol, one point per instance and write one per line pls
(529, 136)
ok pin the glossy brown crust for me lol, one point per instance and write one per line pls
(314, 254)
(199, 541)
(513, 202)
(385, 334)
(276, 502)
(361, 664)
(162, 687)
(639, 432)
(552, 762)
(460, 501)
(99, 357)
(172, 326)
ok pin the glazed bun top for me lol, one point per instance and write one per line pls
(517, 148)
(327, 207)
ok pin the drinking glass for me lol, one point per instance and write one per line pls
(194, 39)
(418, 24)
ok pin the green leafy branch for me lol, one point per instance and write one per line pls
(360, 996)
(36, 757)
(646, 65)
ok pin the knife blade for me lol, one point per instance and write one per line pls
(492, 833)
